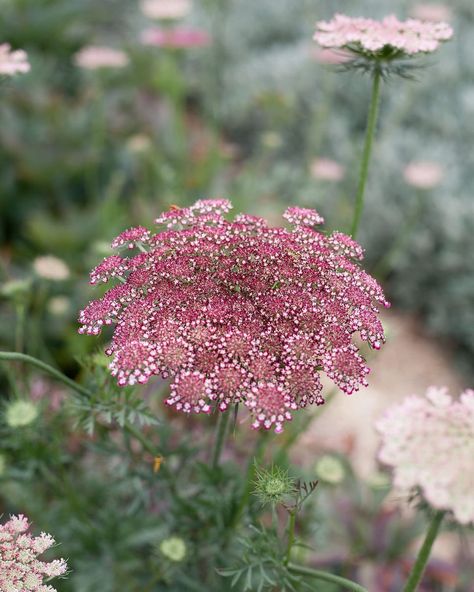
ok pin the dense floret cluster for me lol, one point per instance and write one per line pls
(388, 38)
(429, 441)
(20, 568)
(238, 311)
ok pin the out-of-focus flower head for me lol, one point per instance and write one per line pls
(20, 568)
(382, 45)
(432, 12)
(423, 174)
(94, 57)
(13, 62)
(165, 9)
(325, 55)
(327, 169)
(20, 413)
(237, 311)
(429, 442)
(330, 469)
(175, 37)
(52, 268)
(173, 548)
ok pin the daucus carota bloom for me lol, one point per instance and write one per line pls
(165, 9)
(429, 442)
(327, 169)
(20, 568)
(175, 37)
(12, 62)
(237, 311)
(423, 174)
(95, 57)
(386, 39)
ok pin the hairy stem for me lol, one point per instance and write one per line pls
(221, 431)
(424, 553)
(326, 577)
(369, 137)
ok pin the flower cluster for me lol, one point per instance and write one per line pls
(20, 568)
(12, 62)
(237, 311)
(175, 37)
(430, 443)
(386, 39)
(95, 57)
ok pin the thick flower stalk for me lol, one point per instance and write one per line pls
(429, 442)
(237, 311)
(20, 568)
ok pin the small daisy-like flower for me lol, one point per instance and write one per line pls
(237, 311)
(20, 568)
(429, 442)
(13, 62)
(380, 44)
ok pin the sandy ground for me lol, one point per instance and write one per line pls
(408, 363)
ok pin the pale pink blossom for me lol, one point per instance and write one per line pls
(237, 311)
(432, 12)
(330, 56)
(423, 174)
(165, 9)
(327, 169)
(429, 442)
(12, 62)
(373, 38)
(20, 568)
(94, 57)
(175, 37)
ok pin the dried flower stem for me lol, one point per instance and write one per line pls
(221, 430)
(424, 553)
(369, 137)
(326, 577)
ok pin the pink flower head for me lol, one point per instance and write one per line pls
(429, 442)
(327, 169)
(423, 174)
(94, 58)
(165, 9)
(176, 37)
(330, 56)
(388, 38)
(12, 62)
(20, 568)
(238, 311)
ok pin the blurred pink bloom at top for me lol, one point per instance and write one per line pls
(327, 169)
(20, 568)
(432, 12)
(329, 56)
(369, 36)
(13, 62)
(176, 37)
(165, 9)
(429, 442)
(423, 174)
(93, 57)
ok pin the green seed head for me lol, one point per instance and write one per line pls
(274, 485)
(20, 413)
(174, 549)
(330, 469)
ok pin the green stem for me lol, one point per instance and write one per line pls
(291, 536)
(17, 357)
(326, 577)
(424, 553)
(221, 431)
(369, 137)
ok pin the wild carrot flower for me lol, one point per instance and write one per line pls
(384, 39)
(52, 268)
(20, 413)
(237, 311)
(423, 174)
(429, 442)
(165, 9)
(12, 62)
(20, 568)
(326, 169)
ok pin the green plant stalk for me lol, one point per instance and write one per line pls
(369, 137)
(221, 431)
(424, 553)
(326, 577)
(291, 535)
